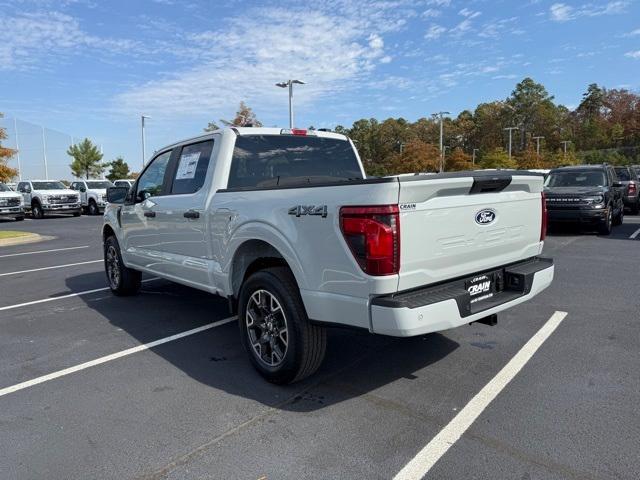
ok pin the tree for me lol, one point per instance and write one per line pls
(529, 159)
(497, 158)
(417, 156)
(86, 160)
(119, 169)
(458, 160)
(527, 103)
(6, 172)
(244, 116)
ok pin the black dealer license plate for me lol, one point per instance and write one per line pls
(480, 287)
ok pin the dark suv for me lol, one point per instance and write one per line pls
(585, 194)
(628, 176)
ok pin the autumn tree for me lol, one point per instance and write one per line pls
(497, 158)
(416, 157)
(529, 159)
(458, 160)
(119, 169)
(87, 160)
(6, 172)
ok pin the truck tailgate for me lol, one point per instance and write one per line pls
(461, 224)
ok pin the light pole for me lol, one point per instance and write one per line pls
(510, 129)
(564, 143)
(441, 115)
(15, 128)
(144, 153)
(289, 83)
(44, 155)
(473, 156)
(537, 139)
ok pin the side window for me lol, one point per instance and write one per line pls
(21, 186)
(151, 180)
(192, 167)
(75, 186)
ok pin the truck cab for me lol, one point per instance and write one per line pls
(42, 197)
(92, 194)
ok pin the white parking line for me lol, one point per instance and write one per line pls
(113, 356)
(635, 234)
(420, 465)
(61, 297)
(43, 251)
(50, 268)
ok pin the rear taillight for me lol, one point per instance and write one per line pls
(373, 235)
(543, 223)
(632, 188)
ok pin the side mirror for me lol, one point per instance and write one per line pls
(617, 184)
(116, 194)
(27, 189)
(83, 189)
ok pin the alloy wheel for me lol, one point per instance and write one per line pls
(113, 267)
(267, 327)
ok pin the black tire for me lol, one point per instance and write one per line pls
(93, 209)
(305, 343)
(36, 210)
(635, 208)
(605, 226)
(20, 218)
(77, 214)
(122, 281)
(620, 217)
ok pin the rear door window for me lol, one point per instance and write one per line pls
(623, 174)
(191, 167)
(263, 161)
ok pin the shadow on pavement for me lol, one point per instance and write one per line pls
(356, 362)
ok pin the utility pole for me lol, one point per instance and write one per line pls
(289, 84)
(15, 129)
(537, 139)
(441, 116)
(510, 129)
(564, 143)
(144, 156)
(44, 155)
(473, 156)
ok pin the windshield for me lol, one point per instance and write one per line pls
(4, 188)
(104, 184)
(48, 186)
(277, 160)
(623, 174)
(576, 179)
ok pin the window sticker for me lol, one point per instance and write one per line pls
(187, 166)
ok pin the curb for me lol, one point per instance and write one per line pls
(30, 238)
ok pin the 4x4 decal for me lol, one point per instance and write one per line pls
(299, 210)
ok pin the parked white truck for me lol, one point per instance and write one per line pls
(93, 194)
(48, 196)
(286, 225)
(10, 203)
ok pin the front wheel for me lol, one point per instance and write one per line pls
(605, 226)
(283, 345)
(36, 210)
(620, 217)
(93, 208)
(20, 218)
(123, 281)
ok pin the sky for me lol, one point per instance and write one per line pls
(91, 68)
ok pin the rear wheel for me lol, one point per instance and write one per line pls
(283, 345)
(36, 210)
(123, 281)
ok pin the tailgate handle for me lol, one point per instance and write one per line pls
(494, 183)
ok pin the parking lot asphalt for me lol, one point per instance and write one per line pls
(195, 408)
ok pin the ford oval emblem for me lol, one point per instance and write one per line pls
(486, 216)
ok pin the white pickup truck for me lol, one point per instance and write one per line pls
(286, 225)
(41, 197)
(93, 194)
(10, 203)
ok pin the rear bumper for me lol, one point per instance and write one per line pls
(578, 215)
(449, 305)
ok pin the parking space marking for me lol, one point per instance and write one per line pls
(62, 297)
(50, 268)
(420, 465)
(635, 234)
(113, 356)
(43, 251)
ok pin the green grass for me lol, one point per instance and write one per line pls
(11, 234)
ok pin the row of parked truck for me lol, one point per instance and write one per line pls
(41, 197)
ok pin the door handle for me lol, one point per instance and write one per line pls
(150, 214)
(191, 214)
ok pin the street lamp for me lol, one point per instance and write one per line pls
(537, 139)
(144, 156)
(510, 129)
(289, 84)
(440, 115)
(564, 143)
(473, 156)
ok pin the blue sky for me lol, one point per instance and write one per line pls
(89, 67)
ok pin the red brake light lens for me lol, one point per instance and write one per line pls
(632, 187)
(543, 223)
(373, 235)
